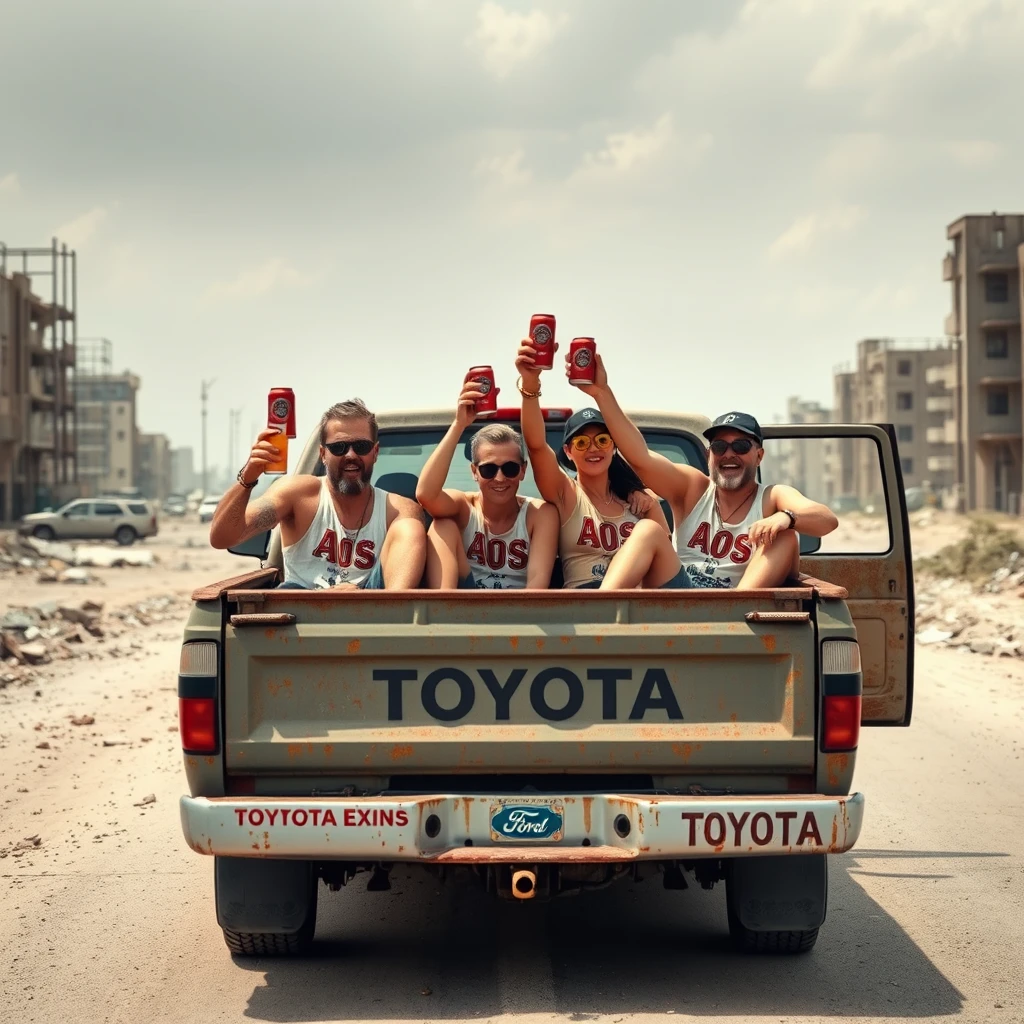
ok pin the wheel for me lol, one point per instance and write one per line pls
(769, 942)
(43, 533)
(125, 536)
(272, 943)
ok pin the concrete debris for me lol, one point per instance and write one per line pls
(83, 720)
(116, 741)
(148, 799)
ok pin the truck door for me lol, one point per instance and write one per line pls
(856, 470)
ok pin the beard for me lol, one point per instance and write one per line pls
(348, 487)
(734, 483)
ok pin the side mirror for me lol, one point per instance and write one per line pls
(809, 545)
(254, 547)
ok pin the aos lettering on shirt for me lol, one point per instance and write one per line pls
(345, 554)
(603, 536)
(723, 543)
(495, 554)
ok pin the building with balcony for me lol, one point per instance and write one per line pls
(37, 365)
(983, 267)
(903, 381)
(105, 404)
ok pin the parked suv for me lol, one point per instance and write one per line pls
(93, 519)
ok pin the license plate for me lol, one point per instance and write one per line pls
(519, 821)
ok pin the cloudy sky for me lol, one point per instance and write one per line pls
(365, 199)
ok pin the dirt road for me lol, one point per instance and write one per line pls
(110, 917)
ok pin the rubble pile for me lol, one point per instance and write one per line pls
(59, 562)
(970, 594)
(50, 631)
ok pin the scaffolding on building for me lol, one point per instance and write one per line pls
(39, 296)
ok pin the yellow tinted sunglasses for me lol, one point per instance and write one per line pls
(582, 442)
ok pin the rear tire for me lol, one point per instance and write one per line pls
(43, 533)
(272, 943)
(748, 941)
(125, 536)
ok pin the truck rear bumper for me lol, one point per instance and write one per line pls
(502, 829)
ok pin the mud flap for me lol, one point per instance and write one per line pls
(778, 894)
(255, 895)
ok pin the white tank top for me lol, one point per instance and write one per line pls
(588, 541)
(497, 560)
(715, 553)
(328, 553)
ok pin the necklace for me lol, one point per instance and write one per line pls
(723, 519)
(606, 499)
(362, 516)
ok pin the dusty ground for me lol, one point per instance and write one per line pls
(107, 916)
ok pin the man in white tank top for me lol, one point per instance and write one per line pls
(337, 530)
(493, 539)
(730, 530)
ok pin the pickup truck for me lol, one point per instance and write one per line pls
(543, 743)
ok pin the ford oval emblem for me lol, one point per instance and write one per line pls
(526, 822)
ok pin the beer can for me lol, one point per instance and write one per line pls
(542, 334)
(582, 361)
(280, 442)
(483, 377)
(281, 410)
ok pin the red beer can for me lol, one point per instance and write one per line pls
(582, 361)
(483, 377)
(542, 334)
(281, 410)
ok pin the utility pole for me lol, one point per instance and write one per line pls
(204, 392)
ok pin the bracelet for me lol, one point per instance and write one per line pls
(526, 394)
(248, 487)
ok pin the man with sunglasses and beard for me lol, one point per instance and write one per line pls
(493, 539)
(731, 530)
(337, 531)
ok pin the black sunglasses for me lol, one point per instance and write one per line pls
(489, 470)
(339, 448)
(740, 446)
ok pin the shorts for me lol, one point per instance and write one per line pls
(678, 582)
(467, 582)
(373, 581)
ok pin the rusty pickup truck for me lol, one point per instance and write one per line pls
(549, 742)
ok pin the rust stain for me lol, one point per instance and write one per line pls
(353, 646)
(768, 639)
(513, 642)
(564, 639)
(401, 751)
(328, 749)
(299, 749)
(733, 717)
(835, 765)
(191, 762)
(266, 840)
(465, 811)
(588, 806)
(255, 846)
(835, 832)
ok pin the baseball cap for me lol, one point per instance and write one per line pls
(578, 421)
(741, 421)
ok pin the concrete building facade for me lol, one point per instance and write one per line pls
(37, 363)
(105, 405)
(183, 473)
(984, 269)
(154, 469)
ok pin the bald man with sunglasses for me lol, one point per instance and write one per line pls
(337, 531)
(730, 530)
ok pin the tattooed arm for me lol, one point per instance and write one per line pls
(236, 519)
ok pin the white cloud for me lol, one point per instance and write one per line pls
(75, 233)
(973, 153)
(268, 277)
(506, 171)
(506, 39)
(853, 157)
(805, 231)
(10, 185)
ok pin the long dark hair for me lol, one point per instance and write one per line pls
(623, 479)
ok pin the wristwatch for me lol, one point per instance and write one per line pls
(241, 480)
(792, 517)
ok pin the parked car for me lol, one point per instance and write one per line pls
(93, 519)
(208, 507)
(174, 505)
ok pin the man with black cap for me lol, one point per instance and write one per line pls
(730, 530)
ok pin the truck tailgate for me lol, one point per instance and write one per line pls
(382, 683)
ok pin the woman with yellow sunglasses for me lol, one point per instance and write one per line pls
(604, 504)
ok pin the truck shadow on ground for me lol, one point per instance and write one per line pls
(430, 951)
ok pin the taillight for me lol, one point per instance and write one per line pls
(197, 697)
(197, 719)
(841, 685)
